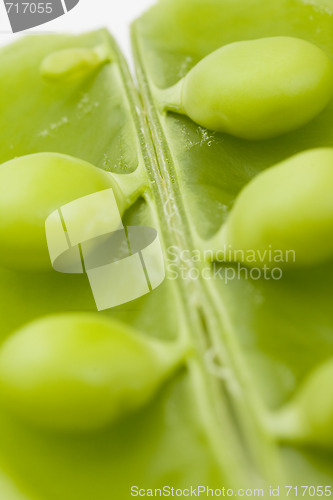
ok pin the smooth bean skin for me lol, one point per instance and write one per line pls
(288, 207)
(259, 89)
(72, 64)
(32, 187)
(79, 372)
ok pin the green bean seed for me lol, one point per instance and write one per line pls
(256, 89)
(33, 186)
(71, 64)
(80, 372)
(285, 213)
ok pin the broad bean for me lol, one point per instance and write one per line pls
(71, 64)
(284, 214)
(80, 371)
(33, 186)
(256, 89)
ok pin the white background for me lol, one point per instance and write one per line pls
(116, 15)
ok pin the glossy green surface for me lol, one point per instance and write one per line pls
(269, 334)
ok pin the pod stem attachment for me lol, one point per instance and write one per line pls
(171, 99)
(286, 424)
(103, 53)
(172, 354)
(132, 185)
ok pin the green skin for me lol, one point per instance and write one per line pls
(309, 416)
(80, 372)
(31, 188)
(288, 207)
(256, 89)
